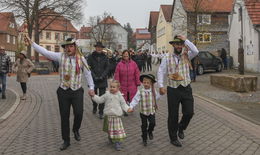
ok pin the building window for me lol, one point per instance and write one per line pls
(119, 36)
(161, 32)
(204, 19)
(14, 39)
(65, 36)
(119, 46)
(11, 25)
(204, 37)
(73, 36)
(48, 35)
(41, 35)
(8, 38)
(161, 18)
(57, 48)
(57, 36)
(48, 48)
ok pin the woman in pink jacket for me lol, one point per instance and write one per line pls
(127, 73)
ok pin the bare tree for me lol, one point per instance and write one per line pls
(32, 12)
(102, 30)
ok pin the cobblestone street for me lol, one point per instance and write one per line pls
(34, 128)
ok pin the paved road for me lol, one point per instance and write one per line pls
(34, 128)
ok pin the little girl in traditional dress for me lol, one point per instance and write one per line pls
(114, 107)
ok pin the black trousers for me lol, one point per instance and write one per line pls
(24, 87)
(176, 96)
(67, 98)
(149, 66)
(100, 106)
(148, 124)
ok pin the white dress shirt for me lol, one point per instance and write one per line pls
(56, 56)
(193, 51)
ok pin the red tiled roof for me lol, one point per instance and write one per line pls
(154, 17)
(109, 20)
(253, 8)
(167, 11)
(58, 24)
(208, 5)
(142, 34)
(5, 19)
(84, 31)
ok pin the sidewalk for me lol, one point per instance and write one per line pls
(246, 105)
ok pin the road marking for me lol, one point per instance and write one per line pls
(213, 102)
(12, 109)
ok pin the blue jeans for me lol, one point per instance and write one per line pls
(193, 74)
(3, 81)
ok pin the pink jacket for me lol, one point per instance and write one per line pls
(127, 73)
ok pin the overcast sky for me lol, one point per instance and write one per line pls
(136, 12)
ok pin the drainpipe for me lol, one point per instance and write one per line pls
(258, 30)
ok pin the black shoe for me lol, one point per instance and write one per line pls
(110, 140)
(94, 111)
(181, 134)
(77, 136)
(118, 146)
(176, 143)
(101, 116)
(150, 135)
(3, 96)
(145, 142)
(64, 146)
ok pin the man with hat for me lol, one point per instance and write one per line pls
(23, 68)
(70, 92)
(99, 65)
(5, 69)
(176, 66)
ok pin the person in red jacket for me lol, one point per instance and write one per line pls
(127, 73)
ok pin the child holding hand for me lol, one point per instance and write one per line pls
(114, 106)
(146, 97)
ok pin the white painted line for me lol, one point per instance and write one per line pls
(12, 109)
(213, 102)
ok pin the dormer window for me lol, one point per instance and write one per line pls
(11, 25)
(204, 19)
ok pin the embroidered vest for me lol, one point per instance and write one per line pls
(182, 68)
(146, 103)
(68, 76)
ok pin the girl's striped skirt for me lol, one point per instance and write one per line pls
(114, 127)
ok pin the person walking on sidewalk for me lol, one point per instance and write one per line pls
(223, 56)
(99, 66)
(70, 92)
(115, 105)
(146, 97)
(5, 69)
(179, 91)
(23, 67)
(149, 62)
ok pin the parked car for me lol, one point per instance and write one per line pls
(208, 61)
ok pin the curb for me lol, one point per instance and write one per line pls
(13, 108)
(227, 109)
